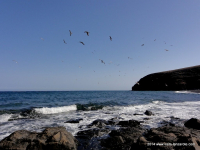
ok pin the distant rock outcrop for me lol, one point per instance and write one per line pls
(173, 80)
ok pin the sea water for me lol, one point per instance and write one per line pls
(35, 110)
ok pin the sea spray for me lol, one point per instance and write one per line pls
(54, 110)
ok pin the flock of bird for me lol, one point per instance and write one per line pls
(70, 33)
(87, 33)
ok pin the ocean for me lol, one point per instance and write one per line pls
(35, 110)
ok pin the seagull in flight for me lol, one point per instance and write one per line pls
(142, 45)
(130, 58)
(64, 41)
(110, 38)
(87, 33)
(155, 40)
(166, 49)
(82, 42)
(102, 61)
(70, 33)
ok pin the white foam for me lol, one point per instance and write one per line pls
(187, 92)
(162, 111)
(5, 117)
(54, 110)
(157, 102)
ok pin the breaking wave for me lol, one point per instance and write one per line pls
(54, 110)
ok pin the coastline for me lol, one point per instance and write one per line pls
(111, 134)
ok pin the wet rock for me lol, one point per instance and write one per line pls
(172, 134)
(129, 123)
(123, 138)
(193, 123)
(113, 121)
(87, 138)
(74, 120)
(148, 113)
(53, 138)
(100, 123)
(137, 114)
(146, 118)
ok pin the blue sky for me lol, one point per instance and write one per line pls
(29, 63)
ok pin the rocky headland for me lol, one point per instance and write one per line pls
(113, 134)
(173, 80)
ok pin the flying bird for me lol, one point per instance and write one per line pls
(137, 83)
(155, 40)
(82, 42)
(166, 49)
(110, 38)
(87, 33)
(102, 61)
(70, 33)
(142, 45)
(130, 58)
(64, 41)
(42, 39)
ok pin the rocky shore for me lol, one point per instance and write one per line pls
(113, 134)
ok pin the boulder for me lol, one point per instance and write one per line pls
(100, 123)
(148, 113)
(123, 138)
(88, 138)
(52, 138)
(129, 123)
(193, 123)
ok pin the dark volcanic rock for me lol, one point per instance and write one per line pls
(179, 79)
(129, 123)
(193, 123)
(123, 138)
(148, 113)
(167, 135)
(86, 138)
(74, 120)
(98, 123)
(54, 138)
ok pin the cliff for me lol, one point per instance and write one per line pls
(173, 80)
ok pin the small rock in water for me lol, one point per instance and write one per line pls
(148, 113)
(98, 123)
(137, 114)
(74, 120)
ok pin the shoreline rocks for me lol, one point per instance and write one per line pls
(52, 138)
(101, 135)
